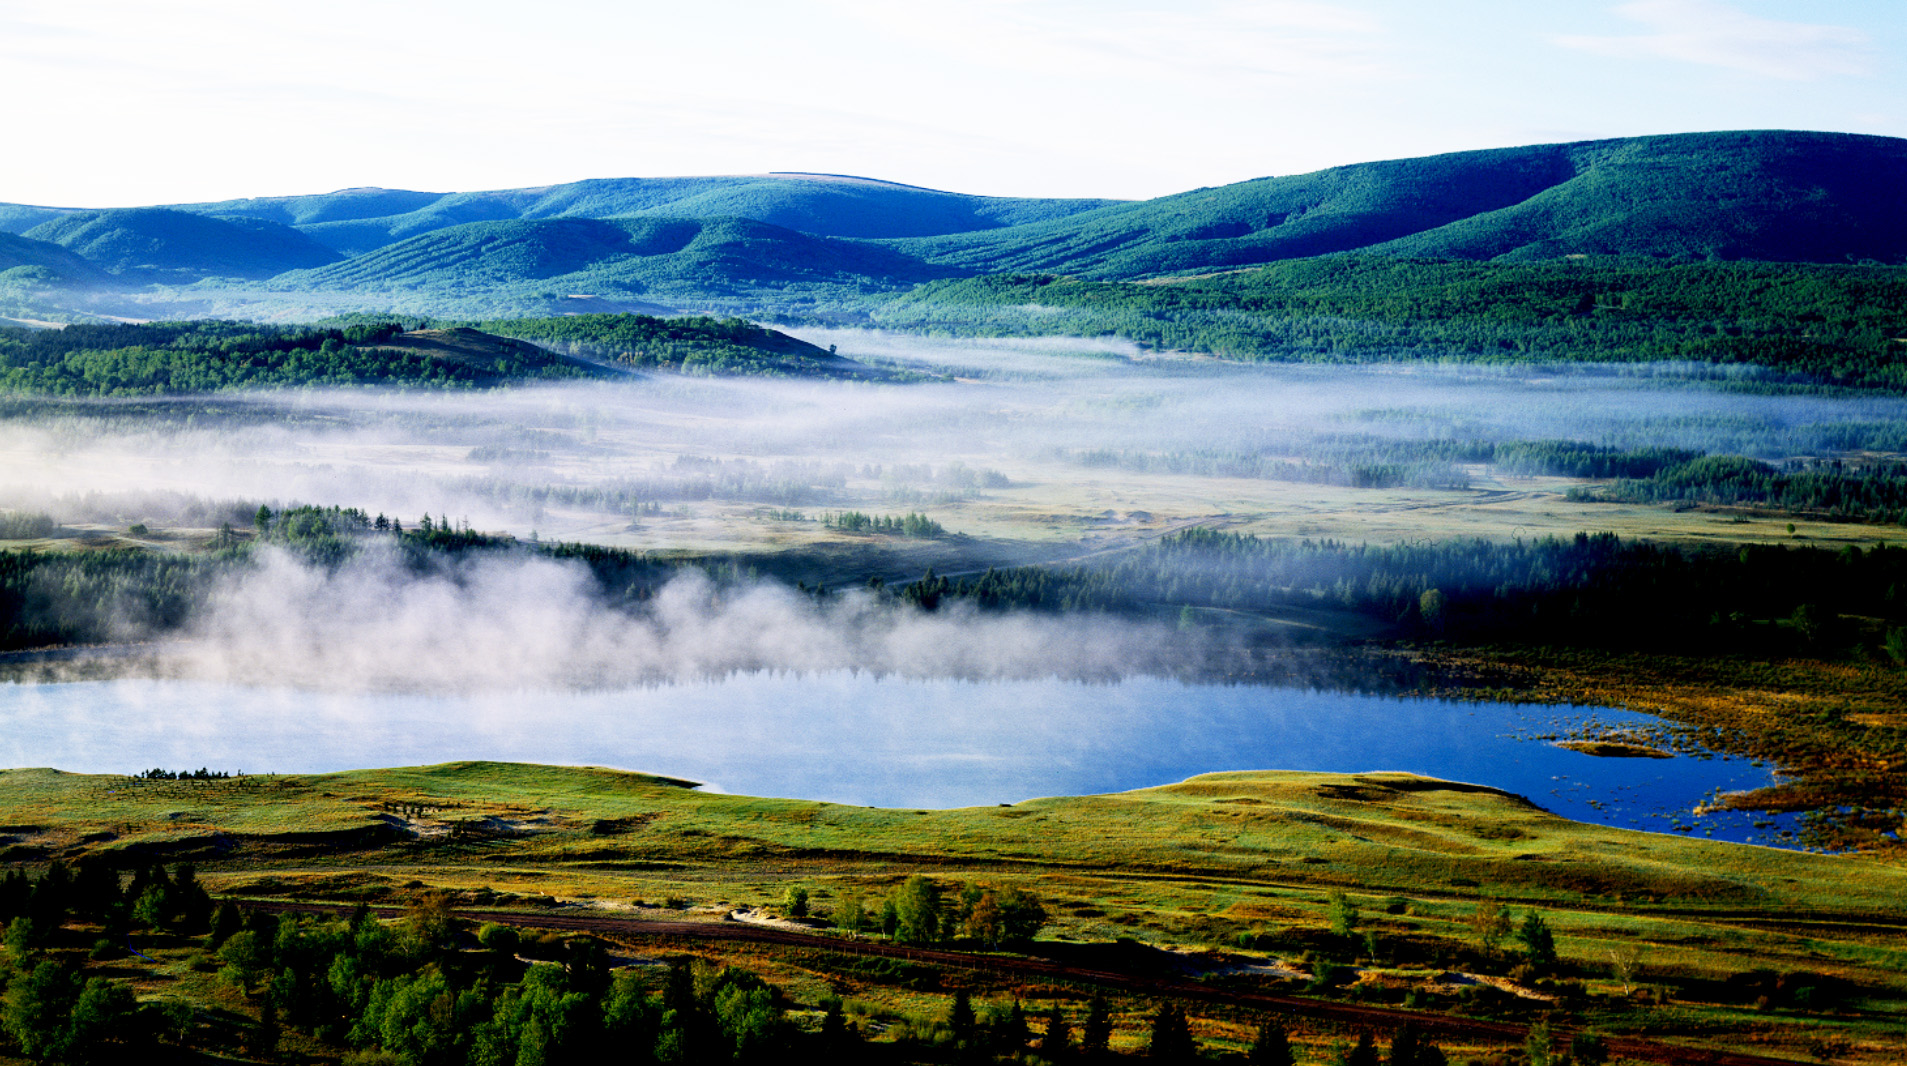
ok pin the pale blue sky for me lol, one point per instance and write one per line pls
(114, 102)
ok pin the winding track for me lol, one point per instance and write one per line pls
(1385, 1018)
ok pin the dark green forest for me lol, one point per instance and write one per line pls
(172, 358)
(1594, 591)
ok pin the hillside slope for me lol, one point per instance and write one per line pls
(549, 259)
(22, 258)
(178, 244)
(1767, 195)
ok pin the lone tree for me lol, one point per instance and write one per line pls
(917, 911)
(960, 1017)
(1539, 944)
(1343, 913)
(1491, 923)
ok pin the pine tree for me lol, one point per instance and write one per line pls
(960, 1017)
(1057, 1044)
(1271, 1047)
(1095, 1035)
(1539, 944)
(1404, 1047)
(1172, 1037)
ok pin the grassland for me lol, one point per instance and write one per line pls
(1225, 877)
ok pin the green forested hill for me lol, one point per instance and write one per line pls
(696, 345)
(44, 260)
(169, 358)
(153, 240)
(18, 218)
(1765, 195)
(354, 221)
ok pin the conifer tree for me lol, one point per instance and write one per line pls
(1271, 1047)
(1095, 1034)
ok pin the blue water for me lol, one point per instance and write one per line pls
(890, 742)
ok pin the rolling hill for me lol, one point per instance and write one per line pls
(23, 259)
(354, 221)
(175, 244)
(1755, 195)
(803, 244)
(522, 262)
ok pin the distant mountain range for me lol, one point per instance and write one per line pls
(767, 239)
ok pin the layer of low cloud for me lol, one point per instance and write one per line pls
(524, 622)
(1711, 33)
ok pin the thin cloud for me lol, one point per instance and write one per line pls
(1715, 34)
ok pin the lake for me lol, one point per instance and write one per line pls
(857, 738)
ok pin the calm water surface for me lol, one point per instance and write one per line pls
(891, 742)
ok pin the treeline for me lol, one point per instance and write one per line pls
(164, 358)
(1384, 462)
(1874, 492)
(1834, 325)
(51, 598)
(1588, 591)
(158, 773)
(1870, 491)
(907, 525)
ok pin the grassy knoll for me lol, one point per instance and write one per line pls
(1679, 939)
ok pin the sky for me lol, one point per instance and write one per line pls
(132, 102)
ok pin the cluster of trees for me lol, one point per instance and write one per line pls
(200, 774)
(47, 1008)
(1830, 324)
(93, 890)
(907, 525)
(21, 525)
(424, 992)
(207, 356)
(919, 911)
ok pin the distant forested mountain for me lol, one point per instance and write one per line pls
(353, 221)
(1765, 195)
(808, 247)
(153, 240)
(22, 258)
